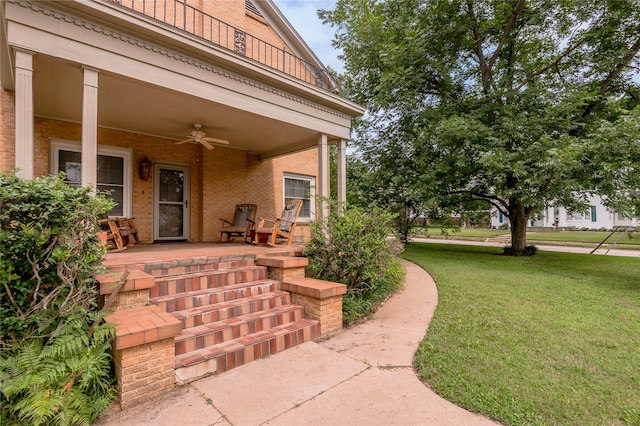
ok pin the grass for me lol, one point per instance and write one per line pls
(591, 238)
(551, 339)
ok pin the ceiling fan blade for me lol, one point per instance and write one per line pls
(221, 141)
(184, 141)
(205, 143)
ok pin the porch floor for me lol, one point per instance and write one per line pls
(138, 255)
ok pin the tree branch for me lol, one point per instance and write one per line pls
(484, 70)
(505, 35)
(483, 197)
(618, 68)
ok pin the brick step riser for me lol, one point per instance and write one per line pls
(217, 295)
(230, 332)
(214, 279)
(168, 269)
(221, 358)
(210, 314)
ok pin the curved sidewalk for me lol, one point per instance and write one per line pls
(361, 376)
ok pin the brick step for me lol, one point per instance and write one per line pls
(198, 264)
(230, 309)
(224, 356)
(193, 281)
(205, 335)
(209, 296)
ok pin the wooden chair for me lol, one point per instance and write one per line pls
(127, 226)
(282, 227)
(115, 240)
(243, 219)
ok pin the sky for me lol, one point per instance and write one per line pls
(304, 18)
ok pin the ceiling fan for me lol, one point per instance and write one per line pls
(199, 136)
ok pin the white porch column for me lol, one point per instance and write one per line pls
(323, 175)
(342, 174)
(24, 114)
(90, 127)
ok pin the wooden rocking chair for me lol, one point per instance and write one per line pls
(243, 219)
(280, 227)
(116, 241)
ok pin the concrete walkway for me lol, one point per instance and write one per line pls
(361, 376)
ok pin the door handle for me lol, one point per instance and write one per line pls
(186, 204)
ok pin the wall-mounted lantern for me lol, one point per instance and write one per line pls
(144, 168)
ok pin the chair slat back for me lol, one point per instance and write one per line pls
(244, 212)
(290, 214)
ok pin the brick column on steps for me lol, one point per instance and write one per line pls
(322, 301)
(282, 268)
(144, 350)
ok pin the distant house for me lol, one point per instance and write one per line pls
(596, 217)
(108, 90)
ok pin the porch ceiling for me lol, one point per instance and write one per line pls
(135, 106)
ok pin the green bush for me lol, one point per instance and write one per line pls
(54, 365)
(49, 251)
(356, 249)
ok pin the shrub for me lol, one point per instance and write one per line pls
(529, 250)
(49, 252)
(54, 365)
(65, 379)
(356, 249)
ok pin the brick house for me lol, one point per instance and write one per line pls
(95, 87)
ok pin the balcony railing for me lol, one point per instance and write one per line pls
(181, 15)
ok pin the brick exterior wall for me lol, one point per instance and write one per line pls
(7, 130)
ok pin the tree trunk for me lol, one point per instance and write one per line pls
(518, 216)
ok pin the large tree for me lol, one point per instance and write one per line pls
(517, 103)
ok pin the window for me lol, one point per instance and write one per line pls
(113, 174)
(303, 187)
(589, 215)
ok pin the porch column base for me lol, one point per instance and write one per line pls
(322, 301)
(143, 353)
(282, 268)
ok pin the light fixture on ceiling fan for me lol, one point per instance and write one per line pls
(200, 137)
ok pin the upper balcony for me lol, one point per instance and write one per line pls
(179, 14)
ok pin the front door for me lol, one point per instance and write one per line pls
(171, 202)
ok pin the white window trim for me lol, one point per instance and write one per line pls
(312, 195)
(126, 154)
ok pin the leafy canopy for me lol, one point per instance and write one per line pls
(515, 103)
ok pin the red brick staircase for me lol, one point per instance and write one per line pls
(231, 314)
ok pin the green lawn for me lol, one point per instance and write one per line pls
(551, 340)
(591, 238)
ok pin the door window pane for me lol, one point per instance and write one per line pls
(171, 185)
(171, 218)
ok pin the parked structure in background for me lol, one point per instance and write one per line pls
(597, 216)
(110, 92)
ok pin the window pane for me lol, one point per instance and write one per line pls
(116, 193)
(110, 169)
(70, 163)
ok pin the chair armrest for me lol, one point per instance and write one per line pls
(225, 221)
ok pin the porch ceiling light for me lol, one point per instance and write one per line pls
(144, 168)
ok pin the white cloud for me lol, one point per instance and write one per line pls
(304, 17)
